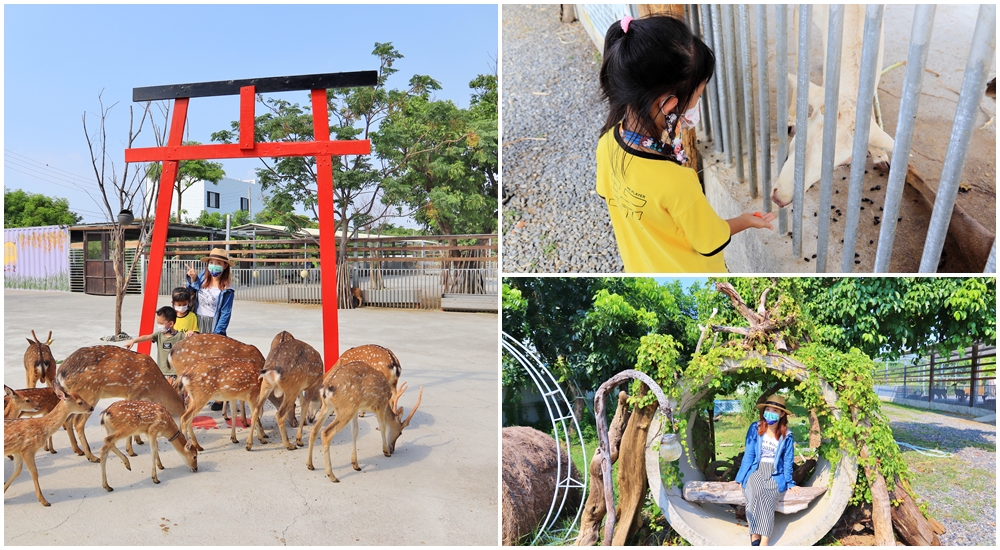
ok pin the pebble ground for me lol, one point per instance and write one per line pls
(553, 219)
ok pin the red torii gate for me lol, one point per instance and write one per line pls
(322, 148)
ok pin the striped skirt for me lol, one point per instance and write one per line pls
(761, 493)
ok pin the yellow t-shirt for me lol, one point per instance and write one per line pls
(188, 323)
(662, 220)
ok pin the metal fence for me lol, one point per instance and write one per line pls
(730, 119)
(966, 378)
(418, 287)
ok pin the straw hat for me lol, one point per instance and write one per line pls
(776, 401)
(218, 254)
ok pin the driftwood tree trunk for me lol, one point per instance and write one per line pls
(909, 521)
(594, 509)
(632, 485)
(881, 507)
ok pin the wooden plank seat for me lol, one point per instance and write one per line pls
(730, 492)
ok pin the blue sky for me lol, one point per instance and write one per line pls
(58, 58)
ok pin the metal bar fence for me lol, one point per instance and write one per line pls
(734, 133)
(416, 287)
(966, 378)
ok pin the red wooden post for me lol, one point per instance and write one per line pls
(327, 234)
(158, 241)
(247, 126)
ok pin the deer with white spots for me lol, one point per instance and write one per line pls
(223, 379)
(125, 418)
(379, 358)
(24, 436)
(35, 402)
(354, 387)
(196, 347)
(98, 372)
(39, 364)
(293, 369)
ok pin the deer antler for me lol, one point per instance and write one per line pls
(413, 410)
(48, 341)
(396, 394)
(33, 336)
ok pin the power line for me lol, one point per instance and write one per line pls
(46, 165)
(60, 185)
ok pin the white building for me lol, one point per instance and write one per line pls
(225, 197)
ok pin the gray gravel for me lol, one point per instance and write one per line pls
(973, 445)
(554, 221)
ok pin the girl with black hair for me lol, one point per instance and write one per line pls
(653, 75)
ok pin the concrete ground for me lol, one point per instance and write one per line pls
(439, 487)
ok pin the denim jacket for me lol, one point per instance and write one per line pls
(783, 465)
(223, 307)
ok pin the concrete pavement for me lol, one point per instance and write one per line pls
(439, 487)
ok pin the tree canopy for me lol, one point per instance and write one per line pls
(24, 209)
(189, 172)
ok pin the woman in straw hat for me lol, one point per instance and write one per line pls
(213, 295)
(767, 467)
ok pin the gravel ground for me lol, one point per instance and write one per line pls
(554, 221)
(960, 490)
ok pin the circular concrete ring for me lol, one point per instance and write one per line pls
(711, 524)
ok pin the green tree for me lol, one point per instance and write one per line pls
(218, 219)
(188, 172)
(23, 209)
(279, 209)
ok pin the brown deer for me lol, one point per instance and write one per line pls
(293, 368)
(354, 387)
(23, 437)
(125, 418)
(219, 378)
(380, 358)
(195, 347)
(98, 372)
(39, 364)
(36, 402)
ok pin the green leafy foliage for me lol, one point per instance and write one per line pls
(23, 209)
(218, 219)
(188, 172)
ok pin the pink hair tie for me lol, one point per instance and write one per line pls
(625, 22)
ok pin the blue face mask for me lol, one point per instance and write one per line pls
(215, 270)
(771, 417)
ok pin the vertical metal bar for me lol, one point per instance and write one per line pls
(731, 75)
(713, 83)
(991, 263)
(920, 34)
(976, 70)
(763, 95)
(972, 374)
(706, 125)
(862, 124)
(781, 88)
(723, 89)
(831, 82)
(801, 112)
(747, 78)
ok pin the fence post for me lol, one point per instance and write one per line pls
(743, 24)
(831, 82)
(722, 99)
(763, 97)
(972, 374)
(801, 112)
(781, 90)
(729, 38)
(930, 380)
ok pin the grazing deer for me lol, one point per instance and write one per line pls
(97, 372)
(219, 378)
(380, 358)
(195, 347)
(354, 387)
(293, 368)
(36, 402)
(39, 364)
(125, 418)
(23, 437)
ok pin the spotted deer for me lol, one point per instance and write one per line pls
(23, 437)
(354, 387)
(99, 372)
(195, 347)
(292, 368)
(220, 378)
(125, 418)
(36, 402)
(380, 358)
(39, 364)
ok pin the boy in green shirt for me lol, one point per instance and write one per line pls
(165, 339)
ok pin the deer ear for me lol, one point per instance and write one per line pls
(7, 390)
(60, 394)
(30, 341)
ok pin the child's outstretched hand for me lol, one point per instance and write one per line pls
(760, 220)
(129, 344)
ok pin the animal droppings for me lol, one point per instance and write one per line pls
(814, 256)
(862, 207)
(834, 219)
(871, 242)
(899, 219)
(857, 261)
(814, 214)
(806, 259)
(856, 255)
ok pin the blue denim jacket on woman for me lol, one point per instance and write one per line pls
(783, 465)
(223, 306)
